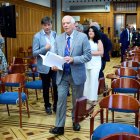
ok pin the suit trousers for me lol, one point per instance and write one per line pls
(46, 80)
(63, 89)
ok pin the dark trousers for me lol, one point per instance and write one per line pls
(46, 80)
(101, 74)
(122, 53)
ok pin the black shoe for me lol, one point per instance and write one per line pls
(57, 130)
(48, 110)
(76, 126)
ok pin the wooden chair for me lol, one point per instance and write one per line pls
(83, 110)
(126, 86)
(16, 68)
(115, 101)
(17, 60)
(136, 58)
(126, 72)
(13, 69)
(122, 136)
(14, 97)
(130, 64)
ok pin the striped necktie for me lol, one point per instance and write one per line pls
(67, 53)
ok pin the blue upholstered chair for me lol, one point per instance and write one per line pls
(127, 72)
(115, 101)
(122, 136)
(14, 97)
(34, 84)
(126, 86)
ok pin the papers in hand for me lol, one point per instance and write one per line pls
(52, 59)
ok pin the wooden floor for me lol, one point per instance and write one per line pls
(37, 126)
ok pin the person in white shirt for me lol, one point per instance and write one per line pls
(43, 42)
(94, 65)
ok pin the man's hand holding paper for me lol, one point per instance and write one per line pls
(52, 59)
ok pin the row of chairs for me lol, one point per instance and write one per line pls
(113, 102)
(124, 82)
(22, 76)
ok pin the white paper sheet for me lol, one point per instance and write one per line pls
(51, 59)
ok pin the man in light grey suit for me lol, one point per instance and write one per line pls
(43, 41)
(75, 48)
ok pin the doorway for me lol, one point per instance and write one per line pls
(120, 20)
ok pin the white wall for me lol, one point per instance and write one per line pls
(45, 3)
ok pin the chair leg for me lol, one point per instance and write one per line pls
(20, 112)
(8, 109)
(27, 107)
(91, 126)
(136, 120)
(107, 115)
(113, 116)
(27, 93)
(36, 94)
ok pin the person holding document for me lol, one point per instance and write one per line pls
(75, 48)
(43, 42)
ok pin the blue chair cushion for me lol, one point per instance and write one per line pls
(11, 97)
(12, 84)
(135, 68)
(113, 128)
(121, 110)
(133, 77)
(125, 90)
(37, 84)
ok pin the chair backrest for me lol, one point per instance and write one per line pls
(14, 78)
(80, 111)
(120, 101)
(17, 60)
(122, 136)
(126, 72)
(136, 58)
(16, 68)
(125, 83)
(130, 64)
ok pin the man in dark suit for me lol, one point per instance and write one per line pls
(75, 48)
(124, 40)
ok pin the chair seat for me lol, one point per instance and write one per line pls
(37, 84)
(125, 90)
(113, 128)
(11, 97)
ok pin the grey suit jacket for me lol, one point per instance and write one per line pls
(80, 51)
(39, 43)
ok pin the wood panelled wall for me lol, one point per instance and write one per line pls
(138, 15)
(28, 17)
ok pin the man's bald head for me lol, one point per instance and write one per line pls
(95, 24)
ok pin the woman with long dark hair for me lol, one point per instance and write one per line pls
(94, 65)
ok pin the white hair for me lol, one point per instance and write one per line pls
(72, 19)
